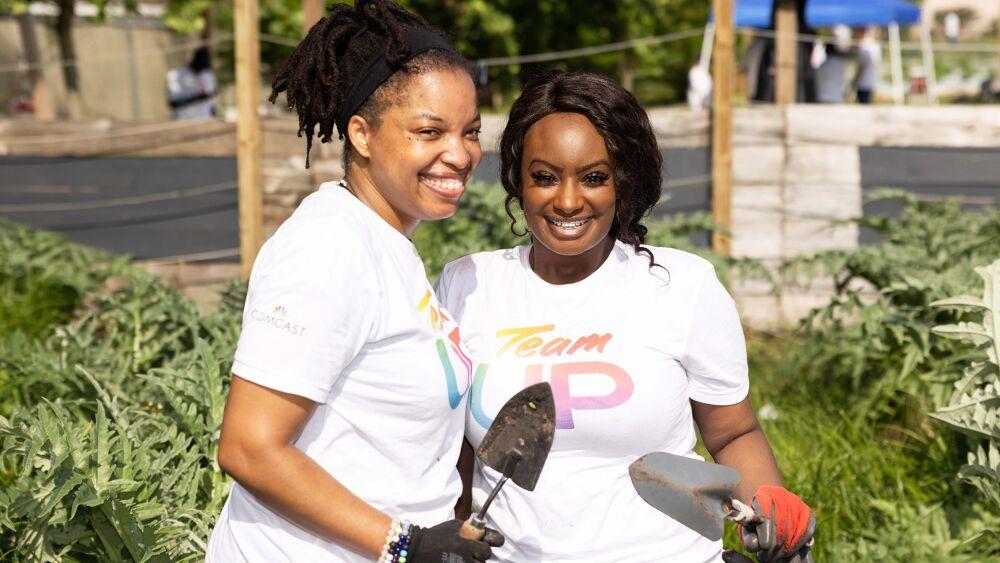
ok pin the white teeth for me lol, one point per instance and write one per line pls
(449, 184)
(567, 225)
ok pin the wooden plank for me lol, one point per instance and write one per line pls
(248, 149)
(785, 51)
(312, 12)
(722, 126)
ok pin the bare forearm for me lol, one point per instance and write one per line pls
(294, 485)
(751, 455)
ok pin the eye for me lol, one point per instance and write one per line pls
(473, 134)
(429, 132)
(543, 178)
(596, 178)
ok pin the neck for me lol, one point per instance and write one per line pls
(361, 184)
(557, 269)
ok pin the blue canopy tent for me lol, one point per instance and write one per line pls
(827, 13)
(852, 13)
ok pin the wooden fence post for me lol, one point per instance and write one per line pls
(248, 153)
(786, 51)
(722, 125)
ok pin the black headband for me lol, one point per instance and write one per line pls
(377, 70)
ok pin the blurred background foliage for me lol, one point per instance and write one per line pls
(496, 28)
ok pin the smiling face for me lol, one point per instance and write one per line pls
(568, 189)
(414, 163)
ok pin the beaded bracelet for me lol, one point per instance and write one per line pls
(397, 542)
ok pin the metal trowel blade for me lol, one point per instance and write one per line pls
(695, 493)
(524, 428)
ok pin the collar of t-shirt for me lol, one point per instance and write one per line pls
(344, 194)
(612, 267)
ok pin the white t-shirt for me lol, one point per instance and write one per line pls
(340, 311)
(625, 350)
(869, 59)
(183, 83)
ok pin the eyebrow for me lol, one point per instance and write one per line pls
(431, 117)
(545, 163)
(559, 169)
(439, 119)
(594, 165)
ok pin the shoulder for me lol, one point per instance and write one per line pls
(672, 266)
(321, 240)
(482, 262)
(469, 274)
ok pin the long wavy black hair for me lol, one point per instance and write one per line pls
(621, 121)
(323, 66)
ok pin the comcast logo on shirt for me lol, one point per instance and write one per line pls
(277, 318)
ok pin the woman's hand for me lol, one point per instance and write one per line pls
(442, 543)
(788, 526)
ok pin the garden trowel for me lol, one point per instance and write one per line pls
(517, 445)
(697, 494)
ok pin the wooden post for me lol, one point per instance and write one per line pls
(896, 60)
(786, 51)
(246, 24)
(39, 92)
(930, 71)
(722, 125)
(312, 12)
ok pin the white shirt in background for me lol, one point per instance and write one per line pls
(831, 81)
(869, 60)
(340, 311)
(183, 84)
(625, 350)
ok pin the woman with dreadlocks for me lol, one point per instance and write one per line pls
(345, 416)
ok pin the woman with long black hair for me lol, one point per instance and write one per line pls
(639, 343)
(345, 416)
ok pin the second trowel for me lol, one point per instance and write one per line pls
(517, 445)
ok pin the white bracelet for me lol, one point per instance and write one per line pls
(397, 542)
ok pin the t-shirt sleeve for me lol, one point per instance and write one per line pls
(449, 287)
(715, 355)
(309, 310)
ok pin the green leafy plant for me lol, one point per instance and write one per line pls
(872, 345)
(974, 407)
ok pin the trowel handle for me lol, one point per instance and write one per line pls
(743, 514)
(473, 529)
(746, 516)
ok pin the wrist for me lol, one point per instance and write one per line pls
(396, 548)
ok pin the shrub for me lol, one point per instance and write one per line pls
(974, 407)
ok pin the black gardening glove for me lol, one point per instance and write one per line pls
(732, 556)
(442, 544)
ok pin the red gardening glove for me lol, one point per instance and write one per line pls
(787, 527)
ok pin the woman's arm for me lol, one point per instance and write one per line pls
(734, 438)
(256, 449)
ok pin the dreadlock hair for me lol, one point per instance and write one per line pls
(320, 71)
(620, 120)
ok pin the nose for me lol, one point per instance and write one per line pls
(456, 154)
(569, 199)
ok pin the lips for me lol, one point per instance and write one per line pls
(568, 228)
(449, 187)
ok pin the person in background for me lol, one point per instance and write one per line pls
(831, 76)
(640, 343)
(699, 93)
(869, 62)
(191, 88)
(952, 27)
